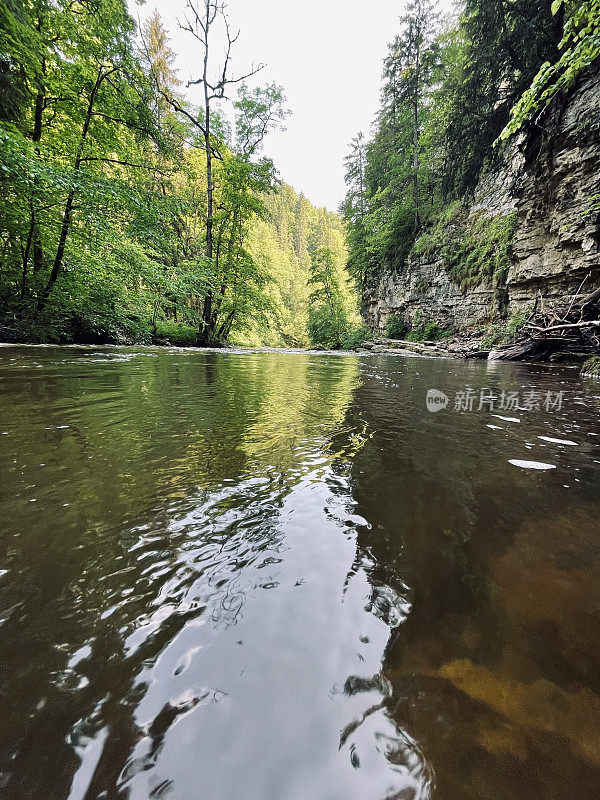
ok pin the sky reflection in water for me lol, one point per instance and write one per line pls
(279, 576)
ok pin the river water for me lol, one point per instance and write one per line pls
(279, 576)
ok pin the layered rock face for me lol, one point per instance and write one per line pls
(557, 238)
(552, 185)
(423, 286)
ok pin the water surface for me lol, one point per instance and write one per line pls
(280, 577)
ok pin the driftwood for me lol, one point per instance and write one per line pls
(566, 326)
(571, 331)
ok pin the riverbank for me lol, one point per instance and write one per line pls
(464, 345)
(476, 346)
(92, 330)
(455, 349)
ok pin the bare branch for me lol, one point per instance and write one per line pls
(165, 95)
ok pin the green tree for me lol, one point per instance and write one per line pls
(330, 314)
(354, 210)
(504, 45)
(579, 48)
(201, 22)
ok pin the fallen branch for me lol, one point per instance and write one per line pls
(557, 330)
(565, 326)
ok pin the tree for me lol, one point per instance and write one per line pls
(407, 68)
(85, 105)
(354, 210)
(330, 314)
(200, 23)
(159, 59)
(244, 180)
(354, 204)
(106, 177)
(579, 48)
(385, 176)
(420, 26)
(504, 45)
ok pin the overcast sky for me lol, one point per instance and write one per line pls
(327, 55)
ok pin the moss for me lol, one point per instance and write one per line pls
(505, 332)
(472, 247)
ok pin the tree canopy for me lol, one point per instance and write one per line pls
(128, 213)
(452, 90)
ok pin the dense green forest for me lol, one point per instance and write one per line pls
(455, 92)
(128, 214)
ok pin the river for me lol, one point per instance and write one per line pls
(280, 576)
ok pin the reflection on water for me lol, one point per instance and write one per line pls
(277, 576)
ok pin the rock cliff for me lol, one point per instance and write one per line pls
(549, 189)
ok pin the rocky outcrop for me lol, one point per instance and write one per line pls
(423, 286)
(551, 183)
(556, 243)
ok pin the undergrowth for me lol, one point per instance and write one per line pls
(472, 247)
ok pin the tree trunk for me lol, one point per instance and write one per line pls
(26, 257)
(33, 237)
(416, 136)
(66, 220)
(205, 325)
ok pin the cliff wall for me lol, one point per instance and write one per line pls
(548, 190)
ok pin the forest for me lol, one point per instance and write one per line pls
(458, 92)
(130, 215)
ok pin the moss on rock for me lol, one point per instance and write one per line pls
(473, 247)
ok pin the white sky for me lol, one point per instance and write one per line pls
(327, 55)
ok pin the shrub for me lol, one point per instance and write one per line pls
(355, 337)
(176, 334)
(395, 327)
(423, 330)
(500, 334)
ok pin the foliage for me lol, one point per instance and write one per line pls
(388, 178)
(113, 224)
(502, 47)
(579, 48)
(505, 332)
(423, 330)
(356, 336)
(176, 334)
(396, 327)
(331, 315)
(447, 91)
(472, 247)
